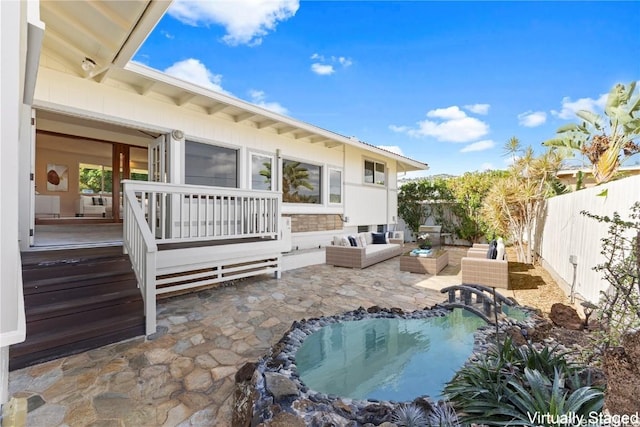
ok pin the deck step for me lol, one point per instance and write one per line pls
(77, 300)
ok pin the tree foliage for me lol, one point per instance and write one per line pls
(470, 191)
(605, 143)
(514, 206)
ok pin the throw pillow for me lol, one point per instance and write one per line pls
(363, 240)
(337, 240)
(492, 252)
(378, 238)
(94, 201)
(344, 241)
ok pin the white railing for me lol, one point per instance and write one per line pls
(170, 213)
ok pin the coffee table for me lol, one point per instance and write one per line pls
(432, 264)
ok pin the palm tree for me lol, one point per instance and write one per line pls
(606, 146)
(515, 205)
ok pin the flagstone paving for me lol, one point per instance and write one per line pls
(185, 377)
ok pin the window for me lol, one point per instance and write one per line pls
(300, 182)
(261, 167)
(211, 165)
(374, 172)
(95, 178)
(335, 186)
(363, 229)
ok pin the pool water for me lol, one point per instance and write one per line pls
(387, 358)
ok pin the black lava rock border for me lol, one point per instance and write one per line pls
(270, 391)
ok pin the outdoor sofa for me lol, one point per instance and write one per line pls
(477, 269)
(363, 249)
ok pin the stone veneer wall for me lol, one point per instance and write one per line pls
(315, 222)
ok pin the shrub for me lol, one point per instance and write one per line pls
(511, 384)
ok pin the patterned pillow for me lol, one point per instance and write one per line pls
(352, 241)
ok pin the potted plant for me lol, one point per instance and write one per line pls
(424, 241)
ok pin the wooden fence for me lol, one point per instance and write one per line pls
(570, 236)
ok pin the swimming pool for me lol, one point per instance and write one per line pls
(395, 359)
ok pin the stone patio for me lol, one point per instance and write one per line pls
(186, 376)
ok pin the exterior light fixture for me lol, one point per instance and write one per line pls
(88, 64)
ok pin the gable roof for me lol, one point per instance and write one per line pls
(110, 32)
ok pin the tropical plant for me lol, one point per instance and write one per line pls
(469, 191)
(294, 176)
(443, 415)
(409, 415)
(511, 384)
(515, 205)
(618, 311)
(416, 200)
(606, 145)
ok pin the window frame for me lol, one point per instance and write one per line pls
(238, 165)
(321, 196)
(375, 163)
(328, 185)
(274, 168)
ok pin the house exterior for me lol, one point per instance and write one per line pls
(569, 176)
(219, 169)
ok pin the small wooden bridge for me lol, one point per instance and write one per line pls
(482, 301)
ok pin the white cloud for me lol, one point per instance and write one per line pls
(399, 129)
(258, 97)
(345, 62)
(392, 148)
(479, 146)
(246, 21)
(569, 107)
(478, 108)
(455, 126)
(532, 119)
(322, 69)
(167, 34)
(326, 66)
(194, 71)
(449, 113)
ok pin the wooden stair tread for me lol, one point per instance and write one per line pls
(78, 305)
(54, 284)
(28, 356)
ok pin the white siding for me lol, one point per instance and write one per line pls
(567, 232)
(363, 204)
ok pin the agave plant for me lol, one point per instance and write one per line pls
(511, 383)
(409, 415)
(443, 415)
(606, 146)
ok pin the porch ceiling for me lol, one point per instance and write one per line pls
(110, 32)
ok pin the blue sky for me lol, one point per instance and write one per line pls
(446, 83)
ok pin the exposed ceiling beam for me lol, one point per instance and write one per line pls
(266, 123)
(243, 116)
(146, 87)
(216, 108)
(185, 98)
(287, 129)
(300, 135)
(331, 144)
(316, 139)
